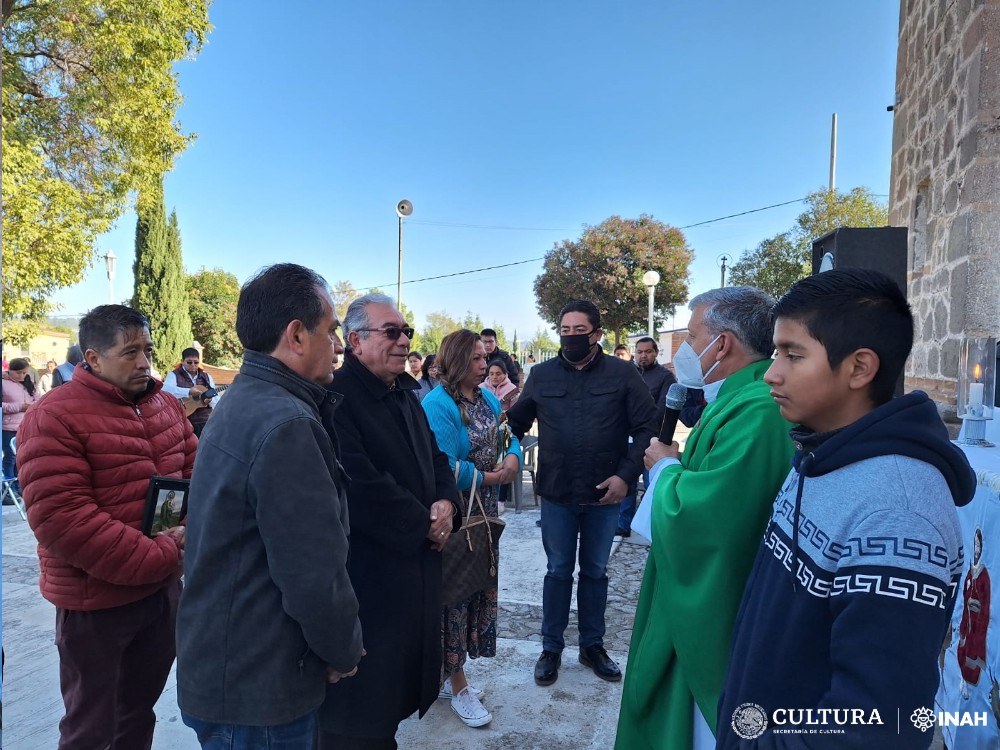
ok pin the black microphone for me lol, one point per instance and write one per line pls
(676, 396)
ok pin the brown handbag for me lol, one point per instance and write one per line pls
(469, 558)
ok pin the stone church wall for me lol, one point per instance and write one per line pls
(946, 179)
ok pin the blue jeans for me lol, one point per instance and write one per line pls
(9, 467)
(595, 527)
(295, 735)
(626, 510)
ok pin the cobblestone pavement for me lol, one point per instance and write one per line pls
(625, 569)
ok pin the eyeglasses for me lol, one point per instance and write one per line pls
(391, 332)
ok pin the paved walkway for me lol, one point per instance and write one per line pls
(579, 711)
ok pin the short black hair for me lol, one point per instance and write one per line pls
(100, 327)
(622, 348)
(190, 352)
(586, 307)
(414, 353)
(850, 309)
(275, 297)
(488, 332)
(647, 340)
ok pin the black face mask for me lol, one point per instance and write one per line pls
(575, 347)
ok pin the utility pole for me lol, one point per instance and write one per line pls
(833, 154)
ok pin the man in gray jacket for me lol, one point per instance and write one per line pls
(268, 615)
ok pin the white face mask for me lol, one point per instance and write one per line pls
(711, 391)
(687, 365)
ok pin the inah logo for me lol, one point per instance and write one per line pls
(922, 718)
(749, 721)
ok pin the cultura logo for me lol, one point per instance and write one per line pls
(749, 721)
(922, 718)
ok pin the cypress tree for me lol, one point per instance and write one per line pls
(159, 282)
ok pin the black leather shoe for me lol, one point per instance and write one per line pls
(597, 659)
(547, 668)
(623, 533)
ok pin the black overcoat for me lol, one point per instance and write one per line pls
(397, 473)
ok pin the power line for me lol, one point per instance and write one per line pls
(533, 260)
(742, 213)
(461, 273)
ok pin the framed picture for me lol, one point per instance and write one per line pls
(166, 504)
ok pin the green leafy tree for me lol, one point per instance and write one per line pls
(212, 298)
(773, 266)
(438, 325)
(89, 102)
(542, 341)
(160, 289)
(474, 322)
(777, 263)
(606, 266)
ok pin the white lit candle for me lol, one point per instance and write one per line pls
(976, 395)
(976, 392)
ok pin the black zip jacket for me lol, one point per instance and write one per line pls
(585, 418)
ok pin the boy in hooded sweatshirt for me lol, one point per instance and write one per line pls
(847, 605)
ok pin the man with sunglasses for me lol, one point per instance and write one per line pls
(189, 380)
(588, 404)
(403, 506)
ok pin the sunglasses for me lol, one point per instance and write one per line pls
(391, 332)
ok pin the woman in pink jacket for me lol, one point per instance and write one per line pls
(18, 394)
(500, 386)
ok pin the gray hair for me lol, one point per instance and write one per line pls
(743, 311)
(357, 318)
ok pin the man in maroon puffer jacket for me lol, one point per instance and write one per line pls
(86, 453)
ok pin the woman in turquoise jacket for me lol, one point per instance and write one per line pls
(466, 423)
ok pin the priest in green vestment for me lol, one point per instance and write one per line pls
(709, 509)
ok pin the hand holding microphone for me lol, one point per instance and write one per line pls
(663, 446)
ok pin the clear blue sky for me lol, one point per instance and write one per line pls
(525, 120)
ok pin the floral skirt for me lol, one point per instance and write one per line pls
(470, 629)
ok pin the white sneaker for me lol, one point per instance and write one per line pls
(470, 710)
(447, 692)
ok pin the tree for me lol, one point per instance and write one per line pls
(439, 325)
(773, 266)
(89, 99)
(474, 322)
(160, 290)
(212, 298)
(540, 342)
(777, 263)
(606, 266)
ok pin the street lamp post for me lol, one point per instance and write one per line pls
(403, 209)
(651, 279)
(109, 262)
